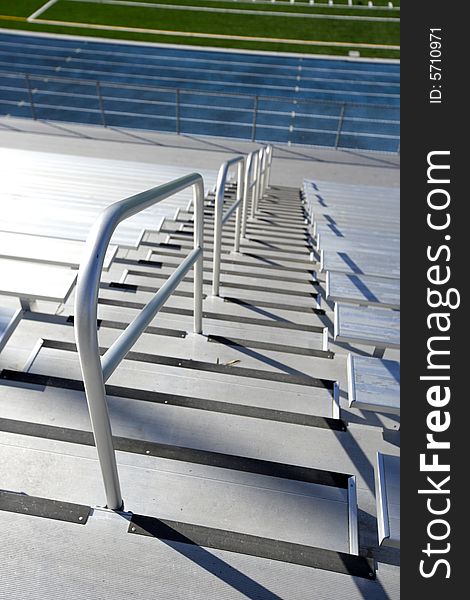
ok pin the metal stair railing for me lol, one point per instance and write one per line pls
(220, 219)
(262, 176)
(251, 169)
(96, 371)
(253, 175)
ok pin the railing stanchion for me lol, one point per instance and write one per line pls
(254, 195)
(100, 102)
(247, 187)
(239, 201)
(264, 172)
(198, 265)
(270, 161)
(261, 174)
(220, 218)
(30, 97)
(218, 208)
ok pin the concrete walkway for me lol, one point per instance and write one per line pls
(293, 163)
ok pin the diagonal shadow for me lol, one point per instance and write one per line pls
(394, 368)
(264, 313)
(203, 558)
(264, 359)
(362, 287)
(351, 264)
(262, 259)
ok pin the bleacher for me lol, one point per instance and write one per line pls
(272, 98)
(245, 436)
(71, 190)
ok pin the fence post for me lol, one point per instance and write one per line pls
(255, 115)
(178, 123)
(30, 96)
(100, 103)
(340, 125)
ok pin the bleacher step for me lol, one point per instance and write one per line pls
(276, 321)
(273, 370)
(207, 489)
(287, 414)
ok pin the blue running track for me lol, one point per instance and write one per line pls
(285, 99)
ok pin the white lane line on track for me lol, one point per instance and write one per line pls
(40, 10)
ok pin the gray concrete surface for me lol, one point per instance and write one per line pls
(292, 163)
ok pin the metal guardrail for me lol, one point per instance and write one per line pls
(96, 371)
(251, 167)
(220, 219)
(264, 173)
(265, 118)
(252, 175)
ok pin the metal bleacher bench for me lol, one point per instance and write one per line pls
(361, 263)
(9, 319)
(362, 289)
(371, 326)
(374, 384)
(330, 237)
(49, 250)
(388, 499)
(32, 281)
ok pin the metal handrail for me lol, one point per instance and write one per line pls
(96, 371)
(250, 185)
(267, 168)
(256, 190)
(262, 176)
(220, 219)
(253, 176)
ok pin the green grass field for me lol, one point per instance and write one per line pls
(275, 26)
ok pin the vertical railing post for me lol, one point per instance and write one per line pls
(178, 116)
(86, 297)
(340, 125)
(267, 154)
(198, 195)
(220, 218)
(268, 168)
(240, 197)
(219, 206)
(30, 96)
(100, 103)
(249, 168)
(262, 175)
(254, 196)
(255, 117)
